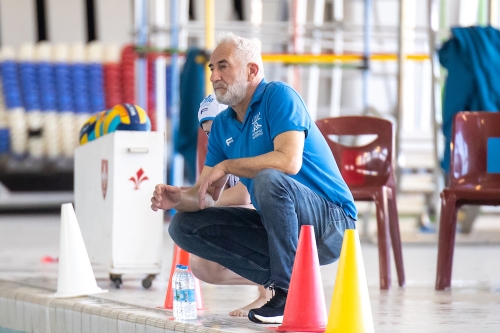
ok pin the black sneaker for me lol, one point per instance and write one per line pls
(272, 311)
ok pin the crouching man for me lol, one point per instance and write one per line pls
(267, 139)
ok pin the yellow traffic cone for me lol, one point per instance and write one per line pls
(350, 310)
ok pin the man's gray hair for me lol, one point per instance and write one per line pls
(246, 49)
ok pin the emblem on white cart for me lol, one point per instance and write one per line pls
(138, 178)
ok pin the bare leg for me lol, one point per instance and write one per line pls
(213, 273)
(264, 296)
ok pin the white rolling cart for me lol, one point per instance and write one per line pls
(115, 176)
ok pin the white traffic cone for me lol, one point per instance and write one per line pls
(76, 277)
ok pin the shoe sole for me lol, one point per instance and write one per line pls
(265, 320)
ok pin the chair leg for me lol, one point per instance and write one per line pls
(383, 238)
(396, 238)
(446, 242)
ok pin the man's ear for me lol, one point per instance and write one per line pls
(253, 71)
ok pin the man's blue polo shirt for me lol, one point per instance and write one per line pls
(276, 108)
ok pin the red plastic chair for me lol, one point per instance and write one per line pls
(368, 171)
(469, 181)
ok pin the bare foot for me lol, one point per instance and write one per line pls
(264, 296)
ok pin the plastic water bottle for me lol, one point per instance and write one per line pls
(175, 288)
(185, 294)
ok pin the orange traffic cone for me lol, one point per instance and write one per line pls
(305, 309)
(350, 310)
(181, 257)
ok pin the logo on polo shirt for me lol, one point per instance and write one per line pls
(204, 110)
(208, 99)
(257, 128)
(229, 141)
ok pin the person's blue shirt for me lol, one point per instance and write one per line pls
(276, 108)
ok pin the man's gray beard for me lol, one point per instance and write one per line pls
(234, 93)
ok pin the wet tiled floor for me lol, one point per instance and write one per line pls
(473, 305)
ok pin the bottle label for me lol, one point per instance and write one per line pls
(185, 295)
(179, 296)
(191, 296)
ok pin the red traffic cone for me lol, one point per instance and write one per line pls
(305, 309)
(181, 257)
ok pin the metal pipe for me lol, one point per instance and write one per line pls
(298, 20)
(173, 85)
(160, 41)
(141, 37)
(433, 14)
(338, 48)
(256, 14)
(309, 58)
(41, 20)
(209, 39)
(313, 87)
(174, 62)
(183, 22)
(400, 91)
(367, 25)
(493, 12)
(256, 21)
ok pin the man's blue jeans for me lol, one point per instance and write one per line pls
(261, 246)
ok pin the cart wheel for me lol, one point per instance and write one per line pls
(117, 280)
(148, 281)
